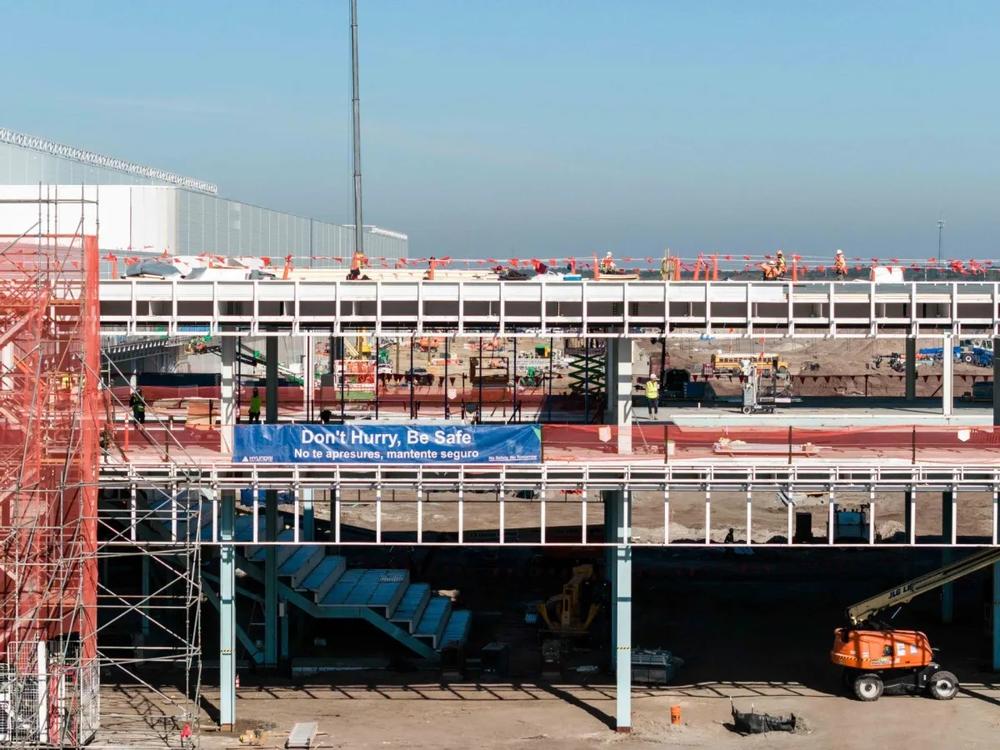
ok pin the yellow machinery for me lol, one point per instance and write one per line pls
(563, 613)
(733, 363)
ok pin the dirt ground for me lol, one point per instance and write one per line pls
(753, 629)
(498, 716)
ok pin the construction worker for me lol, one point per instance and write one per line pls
(667, 266)
(359, 261)
(840, 265)
(608, 263)
(653, 395)
(138, 404)
(776, 270)
(254, 412)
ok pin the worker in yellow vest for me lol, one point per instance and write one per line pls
(653, 395)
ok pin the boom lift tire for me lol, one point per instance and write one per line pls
(943, 686)
(868, 687)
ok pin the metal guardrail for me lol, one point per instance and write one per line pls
(504, 488)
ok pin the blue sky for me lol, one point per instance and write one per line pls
(543, 127)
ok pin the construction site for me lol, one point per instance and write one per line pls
(299, 507)
(271, 481)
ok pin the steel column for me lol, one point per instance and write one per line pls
(947, 378)
(227, 613)
(910, 367)
(227, 401)
(308, 515)
(271, 517)
(996, 379)
(947, 536)
(996, 615)
(618, 378)
(618, 511)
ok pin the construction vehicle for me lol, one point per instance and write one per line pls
(879, 659)
(563, 614)
(732, 364)
(970, 351)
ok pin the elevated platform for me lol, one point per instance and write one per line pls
(606, 308)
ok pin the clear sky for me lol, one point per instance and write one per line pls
(542, 127)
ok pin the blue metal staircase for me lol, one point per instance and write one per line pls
(324, 587)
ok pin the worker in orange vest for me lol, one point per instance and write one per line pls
(359, 261)
(840, 265)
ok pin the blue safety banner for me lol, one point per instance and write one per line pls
(387, 444)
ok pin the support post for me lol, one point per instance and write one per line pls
(910, 368)
(617, 515)
(619, 389)
(144, 627)
(227, 405)
(227, 613)
(947, 536)
(910, 515)
(308, 515)
(271, 518)
(996, 616)
(996, 379)
(947, 378)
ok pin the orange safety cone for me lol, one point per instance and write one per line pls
(677, 268)
(675, 715)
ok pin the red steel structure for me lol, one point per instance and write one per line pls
(49, 452)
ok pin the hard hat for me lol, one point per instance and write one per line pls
(839, 251)
(653, 376)
(608, 255)
(780, 253)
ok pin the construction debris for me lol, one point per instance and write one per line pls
(303, 735)
(758, 723)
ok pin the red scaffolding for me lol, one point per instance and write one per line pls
(49, 452)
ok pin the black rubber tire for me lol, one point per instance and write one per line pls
(968, 359)
(868, 687)
(943, 685)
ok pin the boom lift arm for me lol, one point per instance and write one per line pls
(905, 592)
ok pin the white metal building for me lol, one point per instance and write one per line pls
(142, 209)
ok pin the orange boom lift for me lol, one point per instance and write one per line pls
(878, 659)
